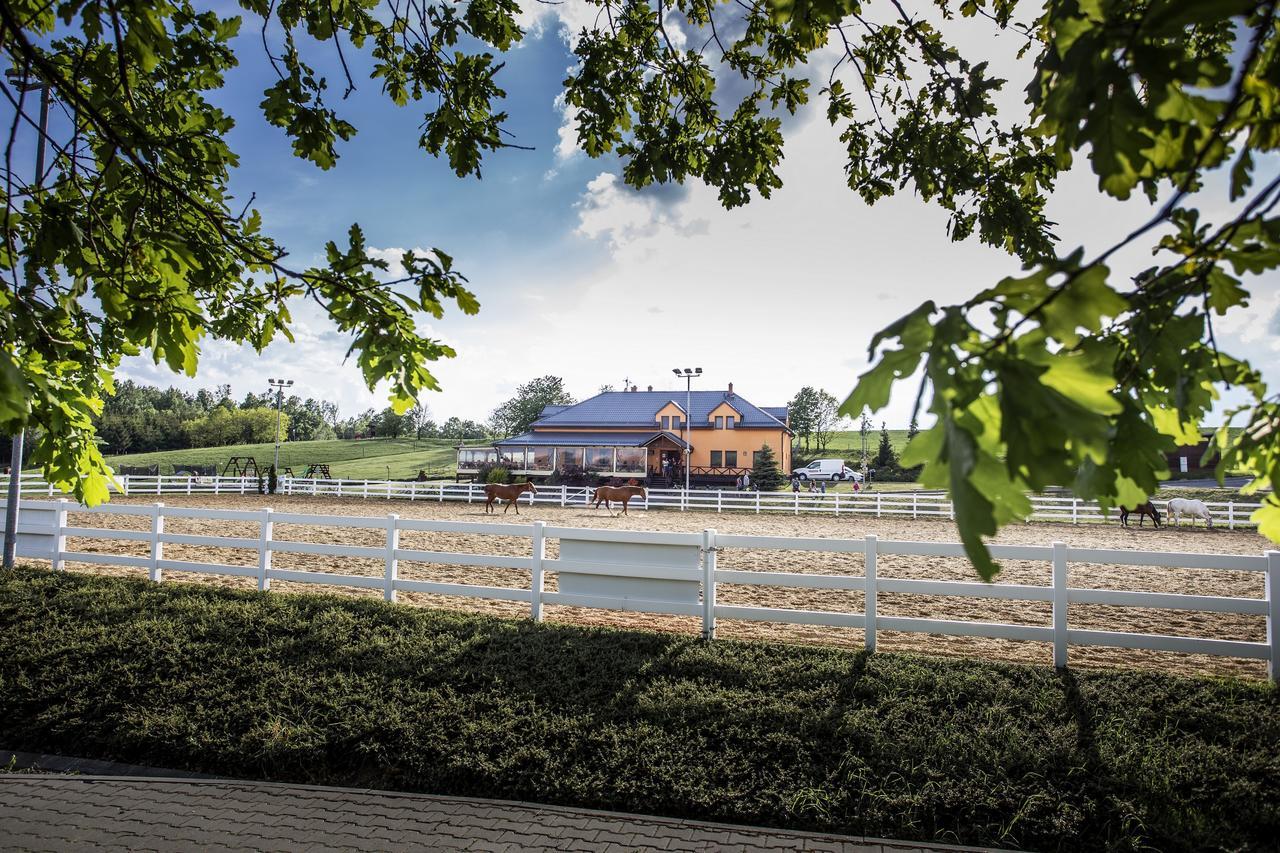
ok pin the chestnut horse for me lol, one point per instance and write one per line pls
(618, 493)
(499, 492)
(1143, 510)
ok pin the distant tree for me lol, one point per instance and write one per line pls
(765, 474)
(418, 416)
(886, 456)
(606, 389)
(429, 430)
(803, 409)
(826, 417)
(912, 473)
(518, 414)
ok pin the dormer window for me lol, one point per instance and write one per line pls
(719, 421)
(666, 422)
(728, 422)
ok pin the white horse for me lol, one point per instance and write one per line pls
(1179, 507)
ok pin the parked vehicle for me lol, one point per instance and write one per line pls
(828, 469)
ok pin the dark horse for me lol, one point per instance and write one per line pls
(498, 492)
(1143, 510)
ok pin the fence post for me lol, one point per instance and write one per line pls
(189, 479)
(157, 547)
(124, 484)
(393, 542)
(264, 550)
(388, 490)
(1059, 604)
(60, 538)
(1271, 591)
(535, 584)
(877, 504)
(869, 594)
(50, 488)
(709, 584)
(757, 501)
(1231, 515)
(564, 495)
(796, 495)
(1075, 510)
(719, 500)
(915, 500)
(159, 480)
(217, 484)
(837, 504)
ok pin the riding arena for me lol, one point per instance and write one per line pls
(922, 584)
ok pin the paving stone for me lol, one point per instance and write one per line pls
(65, 812)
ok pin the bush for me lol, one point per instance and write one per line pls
(273, 480)
(333, 690)
(497, 474)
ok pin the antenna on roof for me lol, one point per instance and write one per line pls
(626, 384)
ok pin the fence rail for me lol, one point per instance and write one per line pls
(915, 505)
(642, 560)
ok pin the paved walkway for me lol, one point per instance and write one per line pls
(40, 812)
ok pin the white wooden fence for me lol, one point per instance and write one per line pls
(643, 558)
(1231, 514)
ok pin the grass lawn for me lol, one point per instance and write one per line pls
(363, 459)
(328, 690)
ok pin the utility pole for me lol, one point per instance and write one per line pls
(20, 81)
(279, 385)
(688, 375)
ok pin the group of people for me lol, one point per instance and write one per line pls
(743, 483)
(819, 486)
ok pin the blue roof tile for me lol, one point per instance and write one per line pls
(585, 439)
(639, 409)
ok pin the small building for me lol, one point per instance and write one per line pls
(642, 435)
(1190, 459)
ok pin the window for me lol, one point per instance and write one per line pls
(731, 459)
(676, 423)
(631, 460)
(814, 465)
(666, 422)
(600, 459)
(511, 458)
(728, 422)
(716, 459)
(569, 459)
(755, 457)
(719, 421)
(540, 458)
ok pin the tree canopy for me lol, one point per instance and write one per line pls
(1067, 374)
(518, 414)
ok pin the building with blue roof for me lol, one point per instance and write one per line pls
(648, 436)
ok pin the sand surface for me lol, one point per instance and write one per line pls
(1188, 581)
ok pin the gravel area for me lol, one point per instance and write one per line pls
(1188, 623)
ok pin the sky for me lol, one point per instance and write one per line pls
(581, 277)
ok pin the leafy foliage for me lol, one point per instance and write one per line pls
(813, 416)
(337, 690)
(518, 414)
(1065, 374)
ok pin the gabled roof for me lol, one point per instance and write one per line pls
(587, 439)
(551, 410)
(638, 409)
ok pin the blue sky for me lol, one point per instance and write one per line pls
(581, 277)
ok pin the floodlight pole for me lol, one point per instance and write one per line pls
(688, 375)
(16, 449)
(279, 385)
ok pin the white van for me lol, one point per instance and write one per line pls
(828, 469)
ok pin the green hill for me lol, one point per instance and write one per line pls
(375, 458)
(848, 445)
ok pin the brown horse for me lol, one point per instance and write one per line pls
(1143, 510)
(499, 492)
(606, 494)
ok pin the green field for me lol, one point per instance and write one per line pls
(848, 445)
(334, 690)
(375, 458)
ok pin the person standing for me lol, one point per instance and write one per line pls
(746, 480)
(795, 483)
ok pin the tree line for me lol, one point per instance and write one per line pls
(140, 418)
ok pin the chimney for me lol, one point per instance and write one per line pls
(730, 389)
(635, 388)
(650, 387)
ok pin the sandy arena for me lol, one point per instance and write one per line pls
(1187, 623)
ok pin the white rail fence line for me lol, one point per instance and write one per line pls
(880, 504)
(643, 569)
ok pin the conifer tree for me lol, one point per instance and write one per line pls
(765, 474)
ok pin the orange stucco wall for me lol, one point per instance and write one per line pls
(745, 441)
